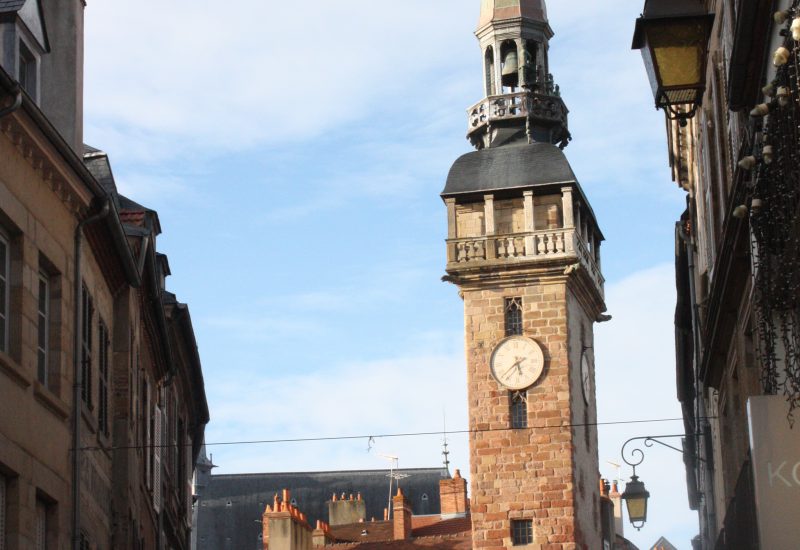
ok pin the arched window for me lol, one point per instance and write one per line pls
(491, 88)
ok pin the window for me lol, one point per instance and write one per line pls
(43, 320)
(4, 299)
(2, 512)
(102, 385)
(513, 316)
(41, 525)
(87, 312)
(27, 70)
(519, 410)
(521, 531)
(83, 542)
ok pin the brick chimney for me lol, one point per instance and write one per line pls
(284, 527)
(345, 511)
(453, 496)
(322, 534)
(401, 508)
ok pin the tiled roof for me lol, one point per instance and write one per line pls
(427, 531)
(7, 6)
(445, 527)
(376, 531)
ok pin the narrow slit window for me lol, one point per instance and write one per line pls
(43, 329)
(522, 531)
(513, 316)
(519, 410)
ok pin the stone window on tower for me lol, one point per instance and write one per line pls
(521, 532)
(513, 316)
(519, 410)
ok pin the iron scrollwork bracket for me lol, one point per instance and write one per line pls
(636, 455)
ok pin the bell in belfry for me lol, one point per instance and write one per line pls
(511, 69)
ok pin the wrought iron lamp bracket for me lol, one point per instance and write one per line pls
(636, 456)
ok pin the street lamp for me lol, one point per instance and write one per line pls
(673, 36)
(635, 497)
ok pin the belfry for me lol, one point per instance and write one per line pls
(523, 247)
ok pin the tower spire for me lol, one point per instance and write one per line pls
(496, 10)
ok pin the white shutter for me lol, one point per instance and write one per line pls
(41, 526)
(2, 513)
(157, 450)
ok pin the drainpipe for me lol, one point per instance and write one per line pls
(14, 106)
(76, 362)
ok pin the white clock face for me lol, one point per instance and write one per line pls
(586, 377)
(517, 362)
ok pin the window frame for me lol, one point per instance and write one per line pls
(43, 318)
(28, 69)
(521, 532)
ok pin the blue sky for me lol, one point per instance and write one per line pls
(295, 153)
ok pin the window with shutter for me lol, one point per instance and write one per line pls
(157, 453)
(41, 525)
(2, 513)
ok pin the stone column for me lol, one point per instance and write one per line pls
(530, 223)
(491, 230)
(498, 70)
(568, 211)
(452, 230)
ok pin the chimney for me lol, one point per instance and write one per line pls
(284, 527)
(401, 508)
(322, 534)
(61, 97)
(453, 496)
(616, 498)
(346, 510)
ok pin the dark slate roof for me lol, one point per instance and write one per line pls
(98, 164)
(230, 507)
(510, 167)
(8, 6)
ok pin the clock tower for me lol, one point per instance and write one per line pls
(523, 247)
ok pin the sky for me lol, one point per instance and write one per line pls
(295, 153)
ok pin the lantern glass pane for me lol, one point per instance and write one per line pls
(678, 49)
(637, 508)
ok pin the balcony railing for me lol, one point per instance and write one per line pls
(518, 105)
(535, 246)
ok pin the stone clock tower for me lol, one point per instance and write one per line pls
(524, 249)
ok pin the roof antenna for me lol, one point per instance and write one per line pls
(445, 452)
(394, 474)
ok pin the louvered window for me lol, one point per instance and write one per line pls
(87, 312)
(4, 289)
(41, 526)
(2, 513)
(103, 379)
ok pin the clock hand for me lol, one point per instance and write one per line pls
(515, 365)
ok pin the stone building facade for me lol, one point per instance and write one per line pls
(103, 409)
(737, 268)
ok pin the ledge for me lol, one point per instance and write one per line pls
(50, 400)
(14, 371)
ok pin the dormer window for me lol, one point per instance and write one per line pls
(28, 70)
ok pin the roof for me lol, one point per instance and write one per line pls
(231, 506)
(663, 544)
(509, 167)
(8, 6)
(498, 10)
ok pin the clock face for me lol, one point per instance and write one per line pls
(517, 362)
(586, 377)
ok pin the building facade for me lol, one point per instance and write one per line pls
(737, 273)
(523, 248)
(103, 408)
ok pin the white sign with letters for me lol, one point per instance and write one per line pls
(775, 449)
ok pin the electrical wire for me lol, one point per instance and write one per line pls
(388, 436)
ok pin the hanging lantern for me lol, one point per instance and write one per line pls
(635, 497)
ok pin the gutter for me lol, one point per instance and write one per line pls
(77, 386)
